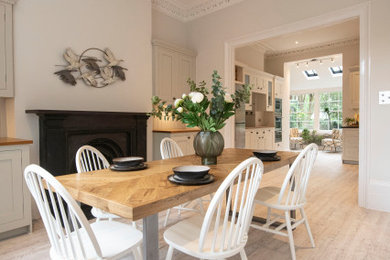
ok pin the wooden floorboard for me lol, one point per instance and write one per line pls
(340, 228)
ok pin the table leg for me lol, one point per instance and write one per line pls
(150, 240)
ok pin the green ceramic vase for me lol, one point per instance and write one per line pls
(208, 145)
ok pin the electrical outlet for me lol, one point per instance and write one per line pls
(384, 97)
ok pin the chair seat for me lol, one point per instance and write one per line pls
(115, 239)
(268, 196)
(184, 236)
(99, 213)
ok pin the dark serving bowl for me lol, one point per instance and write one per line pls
(191, 172)
(265, 153)
(130, 161)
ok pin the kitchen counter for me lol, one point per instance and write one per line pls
(13, 141)
(184, 130)
(257, 127)
(351, 126)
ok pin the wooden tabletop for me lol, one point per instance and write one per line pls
(137, 194)
(13, 141)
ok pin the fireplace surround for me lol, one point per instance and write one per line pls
(114, 134)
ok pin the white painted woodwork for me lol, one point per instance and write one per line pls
(184, 140)
(15, 205)
(172, 67)
(260, 138)
(279, 86)
(75, 238)
(351, 145)
(290, 196)
(6, 50)
(217, 236)
(354, 85)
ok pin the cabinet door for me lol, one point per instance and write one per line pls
(165, 73)
(185, 142)
(268, 138)
(11, 186)
(270, 95)
(6, 51)
(354, 85)
(186, 70)
(260, 142)
(249, 139)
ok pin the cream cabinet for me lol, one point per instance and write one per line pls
(15, 202)
(279, 85)
(6, 49)
(260, 138)
(351, 145)
(185, 140)
(354, 85)
(172, 67)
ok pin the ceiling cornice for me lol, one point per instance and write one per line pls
(322, 46)
(12, 2)
(185, 14)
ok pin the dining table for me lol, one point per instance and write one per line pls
(144, 193)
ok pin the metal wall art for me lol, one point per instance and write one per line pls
(95, 72)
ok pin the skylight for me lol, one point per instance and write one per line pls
(311, 74)
(336, 71)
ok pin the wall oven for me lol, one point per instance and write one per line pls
(278, 106)
(278, 120)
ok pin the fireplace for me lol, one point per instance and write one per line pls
(61, 133)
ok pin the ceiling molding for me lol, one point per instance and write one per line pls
(322, 46)
(188, 12)
(12, 2)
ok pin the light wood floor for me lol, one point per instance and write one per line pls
(340, 228)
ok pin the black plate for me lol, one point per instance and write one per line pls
(269, 159)
(209, 178)
(128, 168)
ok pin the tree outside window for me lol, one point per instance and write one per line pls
(302, 111)
(331, 110)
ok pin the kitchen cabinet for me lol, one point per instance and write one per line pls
(260, 138)
(183, 138)
(249, 104)
(15, 200)
(279, 85)
(172, 67)
(6, 49)
(354, 87)
(351, 145)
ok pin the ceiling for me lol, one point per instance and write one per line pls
(187, 10)
(299, 82)
(319, 36)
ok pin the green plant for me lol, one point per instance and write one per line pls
(196, 109)
(312, 137)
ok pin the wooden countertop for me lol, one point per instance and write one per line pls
(13, 141)
(184, 130)
(257, 127)
(137, 194)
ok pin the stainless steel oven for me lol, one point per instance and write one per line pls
(278, 106)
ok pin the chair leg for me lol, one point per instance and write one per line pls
(243, 255)
(290, 234)
(137, 252)
(268, 214)
(201, 209)
(167, 217)
(169, 253)
(307, 227)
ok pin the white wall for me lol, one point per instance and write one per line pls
(251, 57)
(209, 34)
(42, 31)
(168, 29)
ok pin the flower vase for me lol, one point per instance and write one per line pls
(208, 145)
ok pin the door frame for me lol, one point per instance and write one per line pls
(360, 11)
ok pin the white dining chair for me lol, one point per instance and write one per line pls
(88, 158)
(223, 232)
(170, 149)
(290, 197)
(70, 234)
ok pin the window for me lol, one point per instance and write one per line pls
(311, 74)
(302, 111)
(331, 110)
(336, 71)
